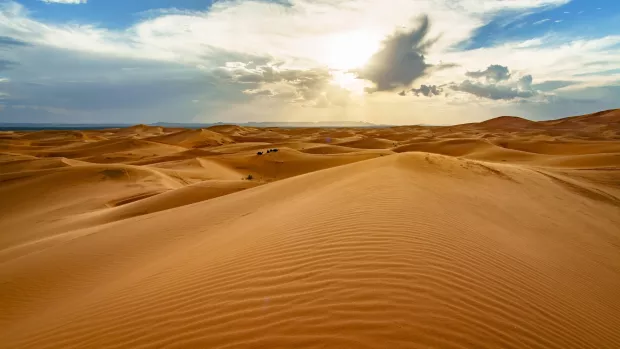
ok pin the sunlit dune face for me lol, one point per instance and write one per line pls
(350, 50)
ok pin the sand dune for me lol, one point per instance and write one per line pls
(193, 138)
(504, 234)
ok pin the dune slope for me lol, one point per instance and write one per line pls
(404, 251)
(500, 234)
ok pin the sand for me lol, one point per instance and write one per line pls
(503, 234)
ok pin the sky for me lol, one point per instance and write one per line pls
(434, 62)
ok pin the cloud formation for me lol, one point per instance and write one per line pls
(400, 61)
(70, 2)
(7, 42)
(492, 91)
(425, 90)
(498, 84)
(308, 87)
(6, 64)
(156, 58)
(541, 21)
(552, 85)
(494, 73)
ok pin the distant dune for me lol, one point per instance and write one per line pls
(499, 234)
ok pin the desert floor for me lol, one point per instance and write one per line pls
(502, 234)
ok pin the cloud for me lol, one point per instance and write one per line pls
(53, 86)
(604, 72)
(6, 64)
(307, 87)
(552, 85)
(525, 82)
(570, 102)
(541, 21)
(71, 2)
(6, 42)
(259, 92)
(554, 57)
(427, 90)
(499, 84)
(400, 61)
(169, 58)
(492, 73)
(491, 91)
(265, 29)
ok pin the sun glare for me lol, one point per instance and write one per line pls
(349, 81)
(350, 50)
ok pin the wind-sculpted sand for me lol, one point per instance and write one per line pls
(503, 234)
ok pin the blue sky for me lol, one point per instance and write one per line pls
(415, 61)
(115, 14)
(589, 18)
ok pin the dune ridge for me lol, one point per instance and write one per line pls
(503, 234)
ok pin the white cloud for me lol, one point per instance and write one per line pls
(71, 2)
(348, 28)
(549, 58)
(493, 73)
(541, 21)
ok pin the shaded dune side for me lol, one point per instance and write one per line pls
(164, 201)
(405, 251)
(40, 199)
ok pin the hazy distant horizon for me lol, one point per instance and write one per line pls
(337, 123)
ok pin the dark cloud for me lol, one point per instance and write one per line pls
(492, 91)
(6, 41)
(6, 64)
(400, 61)
(427, 90)
(495, 73)
(498, 84)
